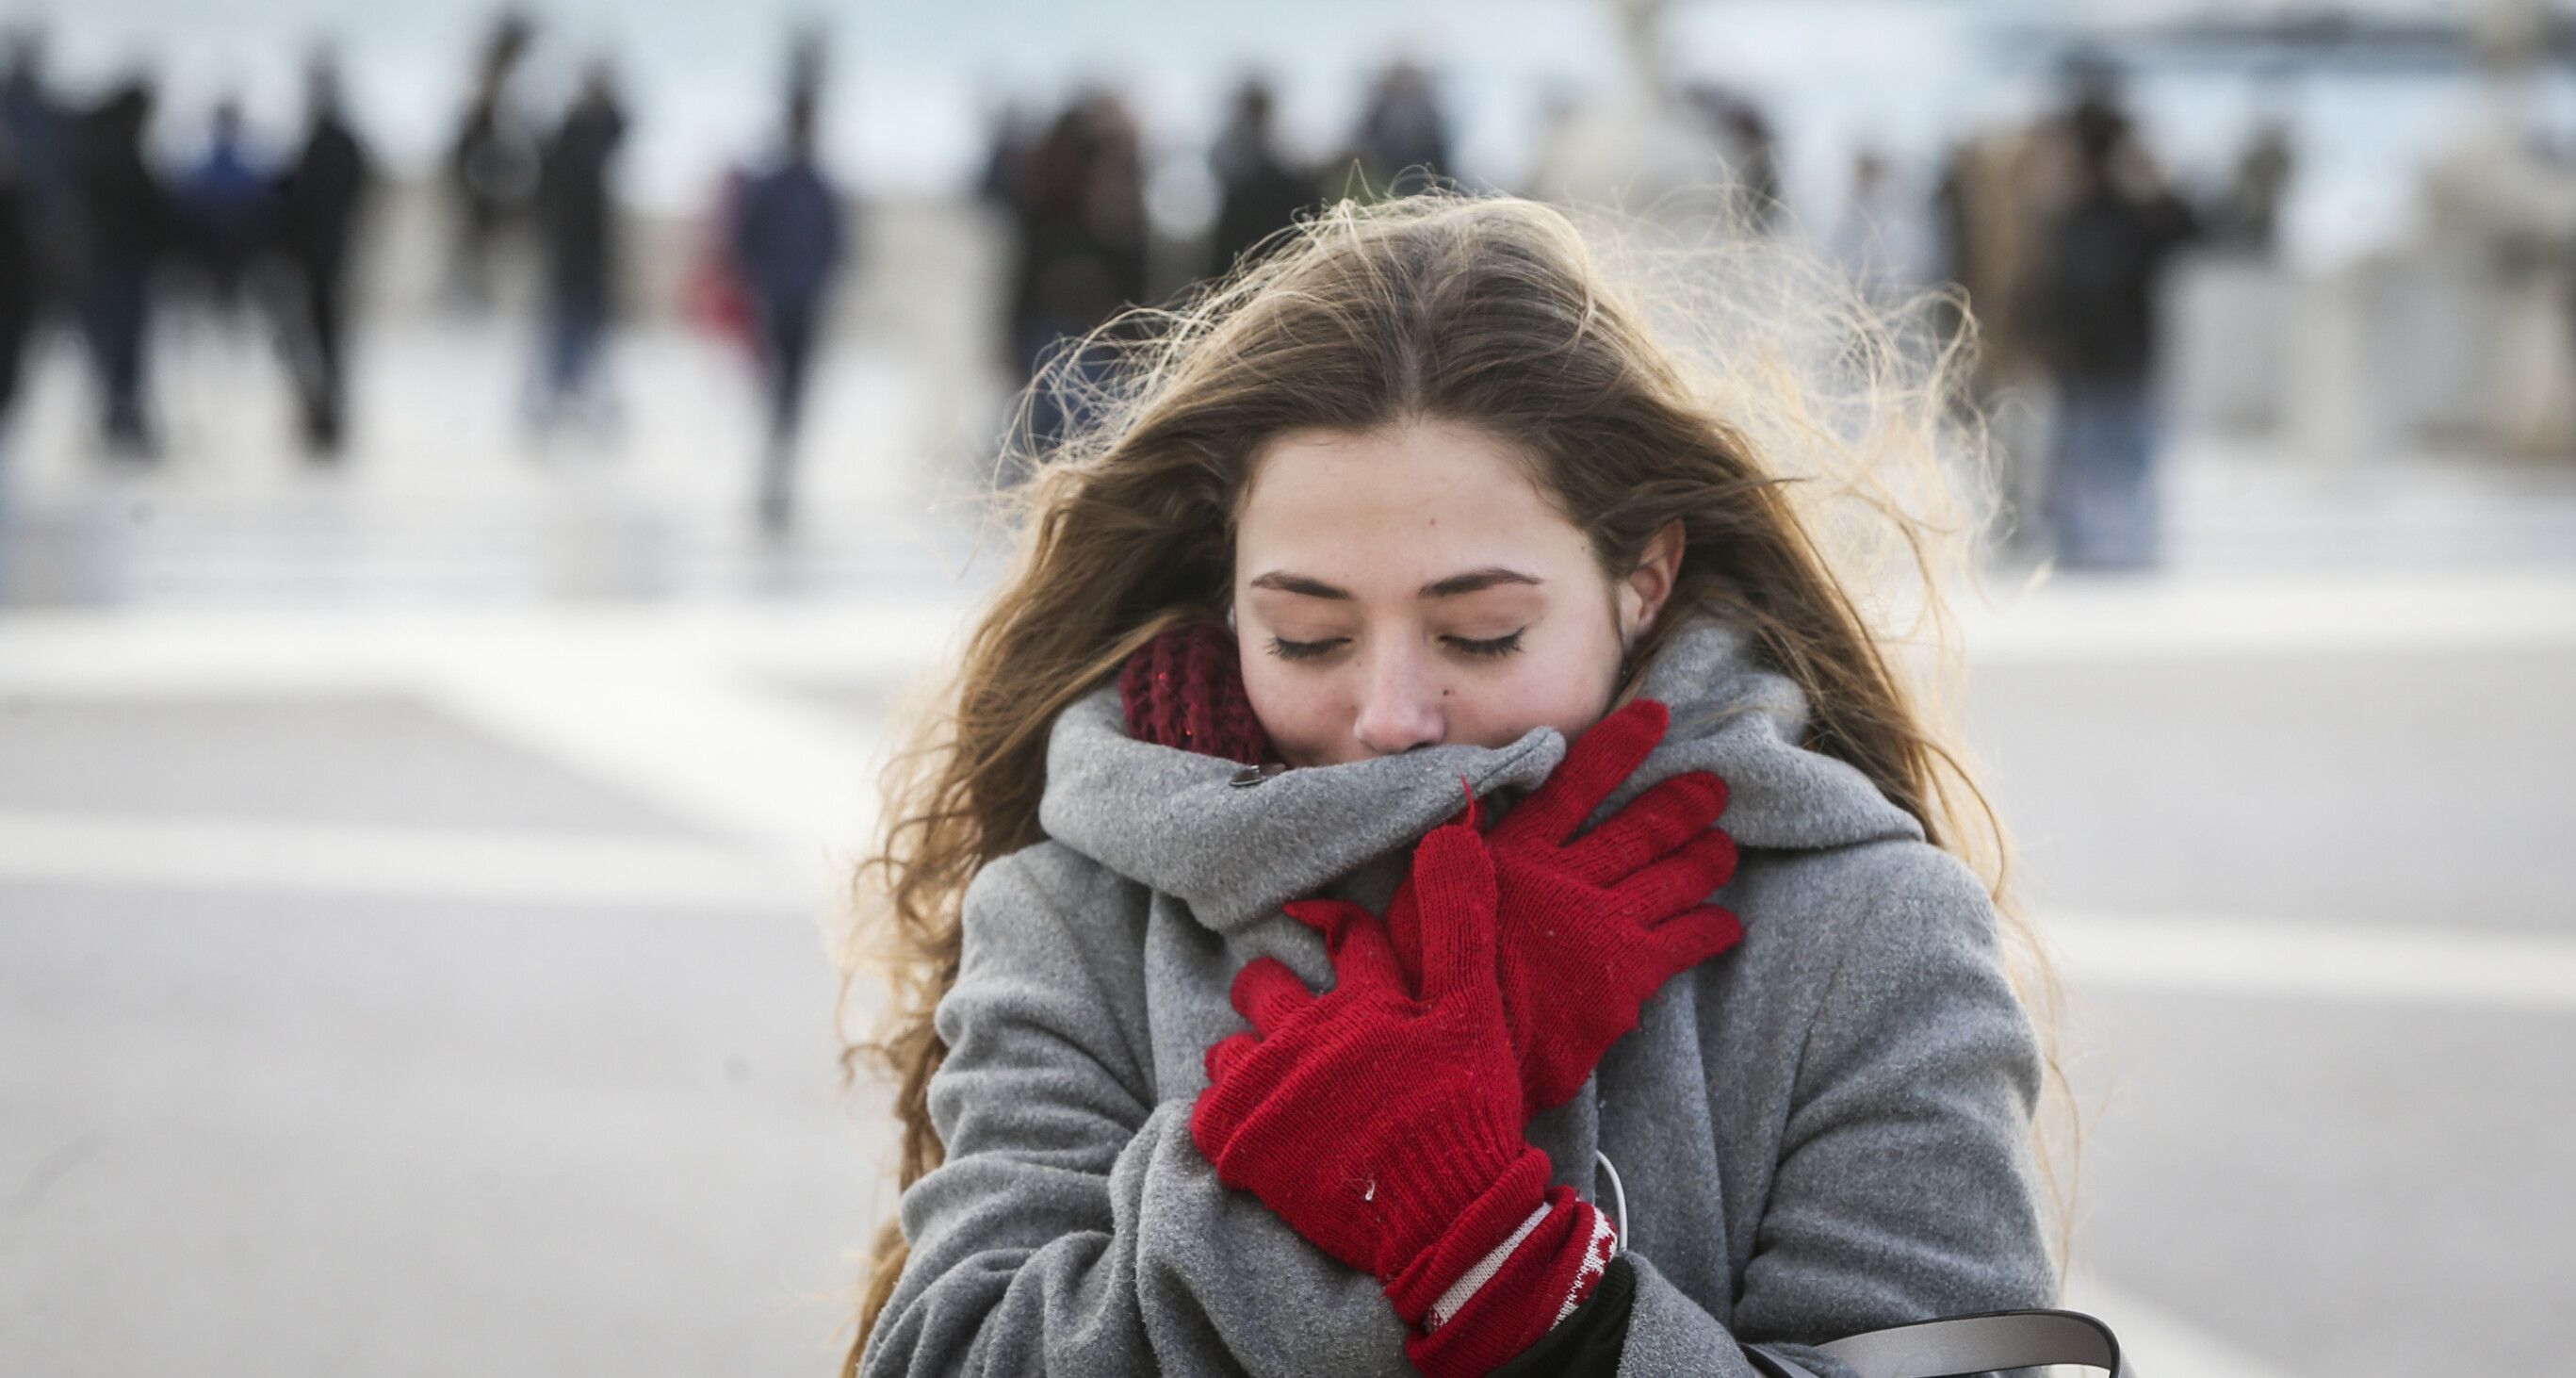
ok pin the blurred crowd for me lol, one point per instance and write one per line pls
(98, 234)
(94, 232)
(2058, 234)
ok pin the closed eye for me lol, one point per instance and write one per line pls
(1493, 648)
(1286, 649)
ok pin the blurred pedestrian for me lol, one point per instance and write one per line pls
(788, 243)
(492, 164)
(1262, 192)
(40, 134)
(318, 201)
(577, 217)
(126, 219)
(1402, 143)
(1751, 150)
(2248, 215)
(223, 202)
(1078, 198)
(18, 276)
(2094, 308)
(1881, 239)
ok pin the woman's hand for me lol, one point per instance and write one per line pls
(1386, 1129)
(1589, 929)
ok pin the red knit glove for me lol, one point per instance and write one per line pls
(1386, 1129)
(1589, 929)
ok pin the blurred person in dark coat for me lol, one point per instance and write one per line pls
(788, 243)
(40, 133)
(1263, 194)
(18, 275)
(1078, 197)
(577, 223)
(318, 200)
(126, 222)
(491, 163)
(2094, 316)
(1402, 143)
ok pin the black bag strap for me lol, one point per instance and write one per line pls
(1956, 1346)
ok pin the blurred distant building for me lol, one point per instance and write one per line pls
(2500, 227)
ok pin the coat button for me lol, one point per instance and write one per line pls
(1247, 777)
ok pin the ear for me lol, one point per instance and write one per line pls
(1649, 586)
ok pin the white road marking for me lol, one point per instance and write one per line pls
(406, 862)
(2087, 620)
(687, 707)
(2476, 968)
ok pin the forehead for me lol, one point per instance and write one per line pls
(1440, 490)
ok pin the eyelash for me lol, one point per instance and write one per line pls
(1300, 650)
(1493, 649)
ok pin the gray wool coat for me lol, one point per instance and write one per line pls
(1819, 1132)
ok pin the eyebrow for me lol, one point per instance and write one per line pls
(1456, 585)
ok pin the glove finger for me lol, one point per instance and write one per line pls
(1691, 874)
(1327, 917)
(1228, 1053)
(1365, 960)
(1693, 936)
(1404, 932)
(1453, 879)
(1269, 994)
(1594, 766)
(1652, 825)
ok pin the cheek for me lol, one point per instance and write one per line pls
(1499, 710)
(1562, 681)
(1296, 709)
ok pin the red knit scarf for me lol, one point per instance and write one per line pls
(1184, 689)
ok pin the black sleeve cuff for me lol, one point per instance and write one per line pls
(1588, 1343)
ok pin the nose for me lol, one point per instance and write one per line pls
(1399, 706)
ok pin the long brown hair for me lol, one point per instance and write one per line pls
(1490, 312)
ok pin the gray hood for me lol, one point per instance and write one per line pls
(1175, 822)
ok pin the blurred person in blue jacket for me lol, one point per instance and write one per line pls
(788, 243)
(223, 202)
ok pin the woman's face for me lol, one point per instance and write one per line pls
(1409, 587)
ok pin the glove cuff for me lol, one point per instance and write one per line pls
(1477, 1231)
(1539, 1284)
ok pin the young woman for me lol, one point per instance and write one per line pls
(1263, 1002)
